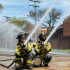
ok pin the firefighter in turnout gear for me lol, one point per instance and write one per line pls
(32, 44)
(42, 51)
(22, 52)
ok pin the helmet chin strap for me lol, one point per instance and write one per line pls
(20, 41)
(42, 39)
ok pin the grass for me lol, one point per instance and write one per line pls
(61, 50)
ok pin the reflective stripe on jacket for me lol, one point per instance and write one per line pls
(45, 48)
(27, 47)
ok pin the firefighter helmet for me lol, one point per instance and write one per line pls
(42, 36)
(20, 35)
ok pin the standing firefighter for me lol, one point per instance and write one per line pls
(22, 52)
(43, 50)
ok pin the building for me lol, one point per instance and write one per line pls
(42, 28)
(61, 38)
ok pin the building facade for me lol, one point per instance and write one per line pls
(61, 39)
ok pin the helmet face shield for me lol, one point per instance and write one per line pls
(42, 36)
(22, 39)
(20, 35)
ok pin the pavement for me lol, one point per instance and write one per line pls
(11, 52)
(57, 63)
(6, 52)
(60, 60)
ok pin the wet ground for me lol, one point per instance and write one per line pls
(57, 63)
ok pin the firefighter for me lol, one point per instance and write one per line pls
(22, 52)
(42, 50)
(18, 62)
(32, 43)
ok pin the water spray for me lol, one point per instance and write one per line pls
(40, 21)
(59, 23)
(8, 31)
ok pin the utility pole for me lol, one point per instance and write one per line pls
(35, 6)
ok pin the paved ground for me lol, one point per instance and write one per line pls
(60, 61)
(57, 63)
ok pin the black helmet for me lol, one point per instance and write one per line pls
(42, 36)
(20, 35)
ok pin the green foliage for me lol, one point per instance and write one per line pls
(61, 50)
(32, 14)
(24, 24)
(38, 14)
(19, 22)
(54, 15)
(41, 13)
(50, 20)
(29, 27)
(1, 7)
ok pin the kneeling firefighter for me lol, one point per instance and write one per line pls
(32, 44)
(42, 51)
(22, 52)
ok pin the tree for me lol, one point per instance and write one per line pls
(24, 24)
(50, 20)
(1, 6)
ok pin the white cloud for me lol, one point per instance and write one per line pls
(63, 5)
(45, 3)
(23, 10)
(13, 2)
(60, 4)
(66, 3)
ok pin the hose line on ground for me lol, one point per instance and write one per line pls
(9, 65)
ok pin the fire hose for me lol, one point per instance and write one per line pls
(33, 31)
(9, 65)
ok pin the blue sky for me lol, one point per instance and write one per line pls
(20, 8)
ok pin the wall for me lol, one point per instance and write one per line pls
(66, 28)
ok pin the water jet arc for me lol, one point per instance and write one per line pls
(40, 21)
(59, 23)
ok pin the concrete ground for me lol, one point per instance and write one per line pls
(60, 61)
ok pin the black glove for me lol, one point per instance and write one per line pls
(21, 52)
(40, 50)
(23, 46)
(33, 45)
(41, 45)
